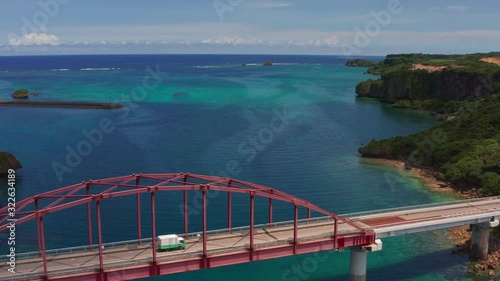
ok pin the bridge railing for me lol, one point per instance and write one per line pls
(57, 272)
(169, 256)
(147, 241)
(416, 207)
(142, 261)
(80, 249)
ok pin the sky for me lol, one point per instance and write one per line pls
(315, 27)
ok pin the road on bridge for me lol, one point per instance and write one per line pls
(385, 223)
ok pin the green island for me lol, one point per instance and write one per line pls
(464, 91)
(21, 94)
(8, 161)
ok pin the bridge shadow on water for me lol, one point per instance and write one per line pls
(427, 266)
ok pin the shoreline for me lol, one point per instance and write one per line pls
(424, 175)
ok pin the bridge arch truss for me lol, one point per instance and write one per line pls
(85, 193)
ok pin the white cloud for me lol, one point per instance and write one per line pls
(457, 8)
(228, 40)
(35, 39)
(329, 41)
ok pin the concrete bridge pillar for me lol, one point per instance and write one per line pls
(358, 265)
(480, 238)
(359, 256)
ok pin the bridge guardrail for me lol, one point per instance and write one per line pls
(416, 207)
(52, 273)
(23, 276)
(217, 232)
(119, 264)
(81, 269)
(79, 249)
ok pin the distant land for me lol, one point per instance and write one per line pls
(360, 63)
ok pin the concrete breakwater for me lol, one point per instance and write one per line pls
(76, 104)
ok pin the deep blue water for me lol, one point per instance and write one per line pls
(196, 115)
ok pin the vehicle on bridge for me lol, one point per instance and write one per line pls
(170, 242)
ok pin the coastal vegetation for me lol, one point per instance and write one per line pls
(8, 161)
(464, 149)
(21, 94)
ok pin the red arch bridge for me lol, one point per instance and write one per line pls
(124, 260)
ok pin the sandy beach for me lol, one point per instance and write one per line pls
(426, 176)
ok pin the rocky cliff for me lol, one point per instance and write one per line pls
(420, 77)
(420, 85)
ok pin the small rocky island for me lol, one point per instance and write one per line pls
(268, 63)
(21, 94)
(8, 161)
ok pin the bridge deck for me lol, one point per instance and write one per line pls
(436, 216)
(385, 223)
(217, 244)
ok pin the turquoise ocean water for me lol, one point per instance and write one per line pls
(198, 113)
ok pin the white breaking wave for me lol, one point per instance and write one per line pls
(99, 69)
(208, 66)
(60, 69)
(285, 63)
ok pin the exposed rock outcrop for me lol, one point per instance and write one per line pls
(450, 84)
(442, 77)
(21, 94)
(8, 161)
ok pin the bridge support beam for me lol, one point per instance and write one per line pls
(270, 212)
(153, 234)
(89, 219)
(480, 237)
(138, 207)
(99, 236)
(204, 219)
(185, 209)
(359, 257)
(229, 213)
(252, 222)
